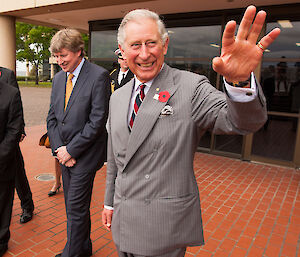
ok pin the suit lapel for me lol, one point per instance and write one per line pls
(83, 75)
(149, 111)
(60, 86)
(124, 99)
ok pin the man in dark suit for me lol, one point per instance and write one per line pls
(120, 76)
(11, 120)
(22, 185)
(152, 203)
(76, 128)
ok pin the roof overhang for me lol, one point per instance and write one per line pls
(77, 13)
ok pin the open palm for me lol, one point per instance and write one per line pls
(240, 55)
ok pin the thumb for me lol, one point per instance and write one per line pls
(218, 65)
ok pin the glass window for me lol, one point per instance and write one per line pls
(229, 143)
(276, 140)
(192, 49)
(288, 42)
(103, 44)
(194, 42)
(280, 81)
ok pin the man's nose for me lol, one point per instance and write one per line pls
(144, 52)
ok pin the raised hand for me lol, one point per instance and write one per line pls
(240, 55)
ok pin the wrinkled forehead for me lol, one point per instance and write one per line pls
(141, 29)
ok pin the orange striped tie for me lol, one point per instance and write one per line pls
(69, 88)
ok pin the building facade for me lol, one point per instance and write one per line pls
(195, 31)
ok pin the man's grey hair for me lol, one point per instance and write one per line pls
(137, 14)
(69, 39)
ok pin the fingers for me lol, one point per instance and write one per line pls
(269, 38)
(107, 218)
(246, 23)
(228, 34)
(70, 163)
(257, 27)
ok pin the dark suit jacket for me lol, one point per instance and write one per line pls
(114, 79)
(9, 77)
(82, 126)
(11, 120)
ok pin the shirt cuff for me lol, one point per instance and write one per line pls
(239, 94)
(108, 207)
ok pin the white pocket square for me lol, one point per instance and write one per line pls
(167, 110)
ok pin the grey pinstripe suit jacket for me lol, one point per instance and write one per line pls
(150, 176)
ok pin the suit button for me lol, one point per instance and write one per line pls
(123, 175)
(147, 176)
(123, 198)
(147, 201)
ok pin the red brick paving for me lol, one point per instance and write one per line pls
(248, 209)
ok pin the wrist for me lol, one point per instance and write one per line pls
(243, 84)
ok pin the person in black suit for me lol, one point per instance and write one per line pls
(120, 76)
(22, 185)
(11, 120)
(77, 133)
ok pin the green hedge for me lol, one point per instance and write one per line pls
(25, 78)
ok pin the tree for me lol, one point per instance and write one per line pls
(32, 43)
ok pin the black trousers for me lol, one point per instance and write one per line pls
(22, 185)
(78, 187)
(6, 204)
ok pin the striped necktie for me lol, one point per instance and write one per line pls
(69, 88)
(138, 101)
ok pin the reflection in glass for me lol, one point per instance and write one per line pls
(229, 143)
(277, 139)
(205, 140)
(200, 67)
(103, 44)
(109, 65)
(286, 43)
(281, 85)
(194, 42)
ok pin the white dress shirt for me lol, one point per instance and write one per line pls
(120, 75)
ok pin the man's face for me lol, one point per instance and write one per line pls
(144, 49)
(123, 64)
(67, 59)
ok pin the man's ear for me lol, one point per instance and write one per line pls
(122, 51)
(166, 46)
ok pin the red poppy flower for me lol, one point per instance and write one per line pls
(0, 73)
(163, 96)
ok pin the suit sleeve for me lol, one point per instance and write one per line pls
(52, 128)
(215, 111)
(97, 117)
(12, 80)
(111, 171)
(13, 128)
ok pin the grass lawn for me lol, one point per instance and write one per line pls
(32, 84)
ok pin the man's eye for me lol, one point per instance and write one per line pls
(135, 46)
(151, 44)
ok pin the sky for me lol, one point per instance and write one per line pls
(21, 68)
